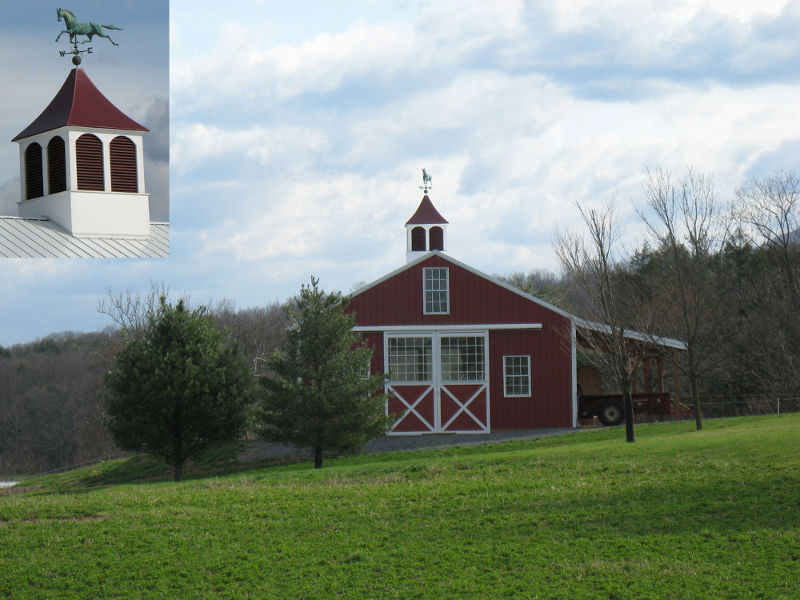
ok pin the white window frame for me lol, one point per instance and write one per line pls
(426, 291)
(432, 365)
(481, 362)
(527, 358)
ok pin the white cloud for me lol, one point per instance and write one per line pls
(196, 143)
(464, 26)
(9, 196)
(242, 66)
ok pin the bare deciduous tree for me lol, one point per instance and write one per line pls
(685, 224)
(768, 212)
(258, 331)
(129, 310)
(594, 267)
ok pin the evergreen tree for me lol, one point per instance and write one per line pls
(178, 388)
(320, 394)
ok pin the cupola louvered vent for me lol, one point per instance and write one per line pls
(56, 166)
(89, 156)
(418, 239)
(436, 239)
(34, 181)
(123, 165)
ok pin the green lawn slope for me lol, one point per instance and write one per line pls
(678, 514)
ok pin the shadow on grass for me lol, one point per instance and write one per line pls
(142, 469)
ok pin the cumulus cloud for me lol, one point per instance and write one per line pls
(155, 116)
(280, 147)
(9, 196)
(156, 119)
(512, 144)
(243, 66)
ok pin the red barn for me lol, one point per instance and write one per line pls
(464, 352)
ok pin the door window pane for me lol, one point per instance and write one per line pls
(462, 359)
(410, 358)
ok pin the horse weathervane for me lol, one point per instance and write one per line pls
(427, 181)
(75, 28)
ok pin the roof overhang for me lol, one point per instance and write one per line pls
(655, 340)
(469, 327)
(79, 103)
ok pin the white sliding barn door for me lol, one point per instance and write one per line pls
(438, 382)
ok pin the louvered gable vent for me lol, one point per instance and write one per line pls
(34, 182)
(89, 157)
(56, 165)
(123, 165)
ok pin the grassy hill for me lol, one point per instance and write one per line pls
(679, 514)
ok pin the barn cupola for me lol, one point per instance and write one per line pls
(426, 229)
(81, 165)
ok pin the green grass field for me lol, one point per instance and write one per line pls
(678, 514)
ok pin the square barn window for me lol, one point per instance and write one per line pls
(517, 375)
(410, 358)
(435, 285)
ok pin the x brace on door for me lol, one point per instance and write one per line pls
(411, 408)
(463, 408)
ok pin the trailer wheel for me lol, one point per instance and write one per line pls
(611, 414)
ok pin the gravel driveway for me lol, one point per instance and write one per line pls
(257, 451)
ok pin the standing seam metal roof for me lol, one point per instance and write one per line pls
(33, 238)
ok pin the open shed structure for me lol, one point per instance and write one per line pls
(464, 352)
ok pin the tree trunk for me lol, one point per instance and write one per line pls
(698, 414)
(177, 457)
(627, 401)
(317, 457)
(177, 468)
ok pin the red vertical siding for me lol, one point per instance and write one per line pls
(550, 403)
(473, 299)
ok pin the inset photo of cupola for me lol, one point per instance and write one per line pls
(83, 189)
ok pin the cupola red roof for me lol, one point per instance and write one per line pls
(80, 103)
(426, 214)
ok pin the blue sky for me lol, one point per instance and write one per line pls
(299, 130)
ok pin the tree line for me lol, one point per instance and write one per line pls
(52, 412)
(723, 277)
(172, 381)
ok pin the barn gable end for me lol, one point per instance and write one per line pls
(464, 352)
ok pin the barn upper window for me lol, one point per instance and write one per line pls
(89, 159)
(436, 299)
(517, 375)
(34, 182)
(56, 165)
(123, 165)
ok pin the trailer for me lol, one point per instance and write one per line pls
(609, 409)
